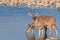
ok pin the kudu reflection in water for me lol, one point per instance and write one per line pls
(30, 37)
(33, 37)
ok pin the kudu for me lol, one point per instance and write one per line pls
(30, 27)
(45, 21)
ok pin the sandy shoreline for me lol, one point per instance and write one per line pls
(46, 3)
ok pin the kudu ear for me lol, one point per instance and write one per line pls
(30, 14)
(36, 14)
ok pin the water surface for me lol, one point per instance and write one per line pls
(14, 21)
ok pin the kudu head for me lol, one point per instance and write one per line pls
(34, 16)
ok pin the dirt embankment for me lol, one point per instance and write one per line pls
(46, 3)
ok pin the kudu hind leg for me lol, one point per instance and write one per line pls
(50, 28)
(55, 27)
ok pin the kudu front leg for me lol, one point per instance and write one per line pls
(33, 31)
(41, 30)
(43, 33)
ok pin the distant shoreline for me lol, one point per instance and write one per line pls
(37, 3)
